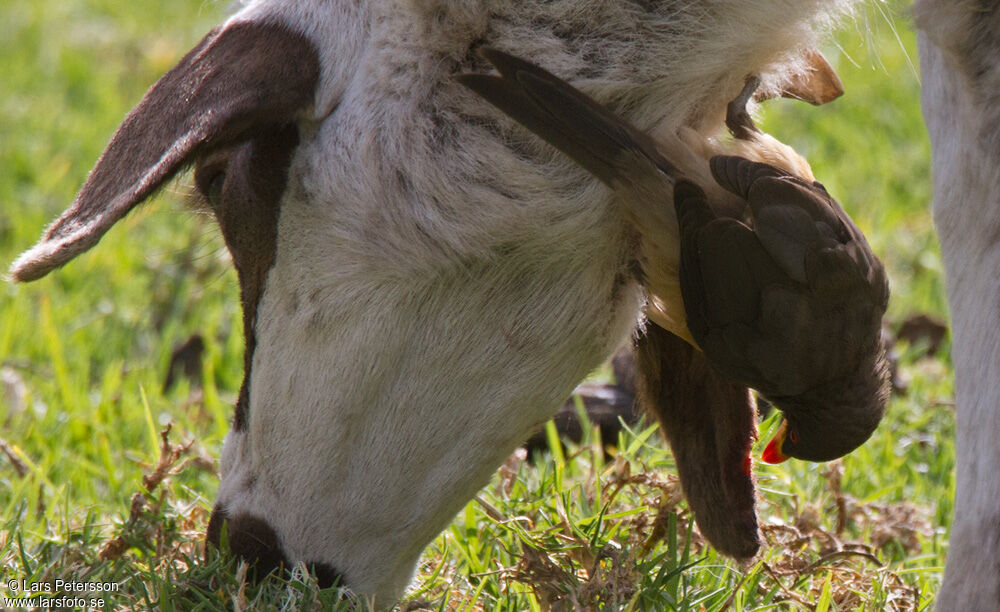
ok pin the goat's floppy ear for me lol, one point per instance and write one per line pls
(710, 424)
(240, 78)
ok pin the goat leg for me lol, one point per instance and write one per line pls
(710, 424)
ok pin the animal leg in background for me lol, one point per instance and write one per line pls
(960, 85)
(710, 423)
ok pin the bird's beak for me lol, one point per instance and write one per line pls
(772, 453)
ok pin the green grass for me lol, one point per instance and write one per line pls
(88, 348)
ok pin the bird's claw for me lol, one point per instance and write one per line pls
(738, 120)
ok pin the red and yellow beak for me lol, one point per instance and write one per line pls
(772, 453)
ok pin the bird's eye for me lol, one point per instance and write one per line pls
(794, 437)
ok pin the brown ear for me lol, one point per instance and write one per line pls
(710, 424)
(239, 79)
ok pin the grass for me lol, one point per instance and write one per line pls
(84, 352)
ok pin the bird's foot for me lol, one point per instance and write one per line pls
(738, 120)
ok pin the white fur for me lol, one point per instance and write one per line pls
(961, 112)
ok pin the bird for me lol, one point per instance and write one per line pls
(745, 256)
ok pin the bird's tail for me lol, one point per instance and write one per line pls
(566, 118)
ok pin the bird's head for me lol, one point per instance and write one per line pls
(830, 421)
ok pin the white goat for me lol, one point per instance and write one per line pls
(960, 65)
(423, 281)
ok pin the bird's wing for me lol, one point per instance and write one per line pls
(789, 216)
(813, 291)
(738, 174)
(723, 271)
